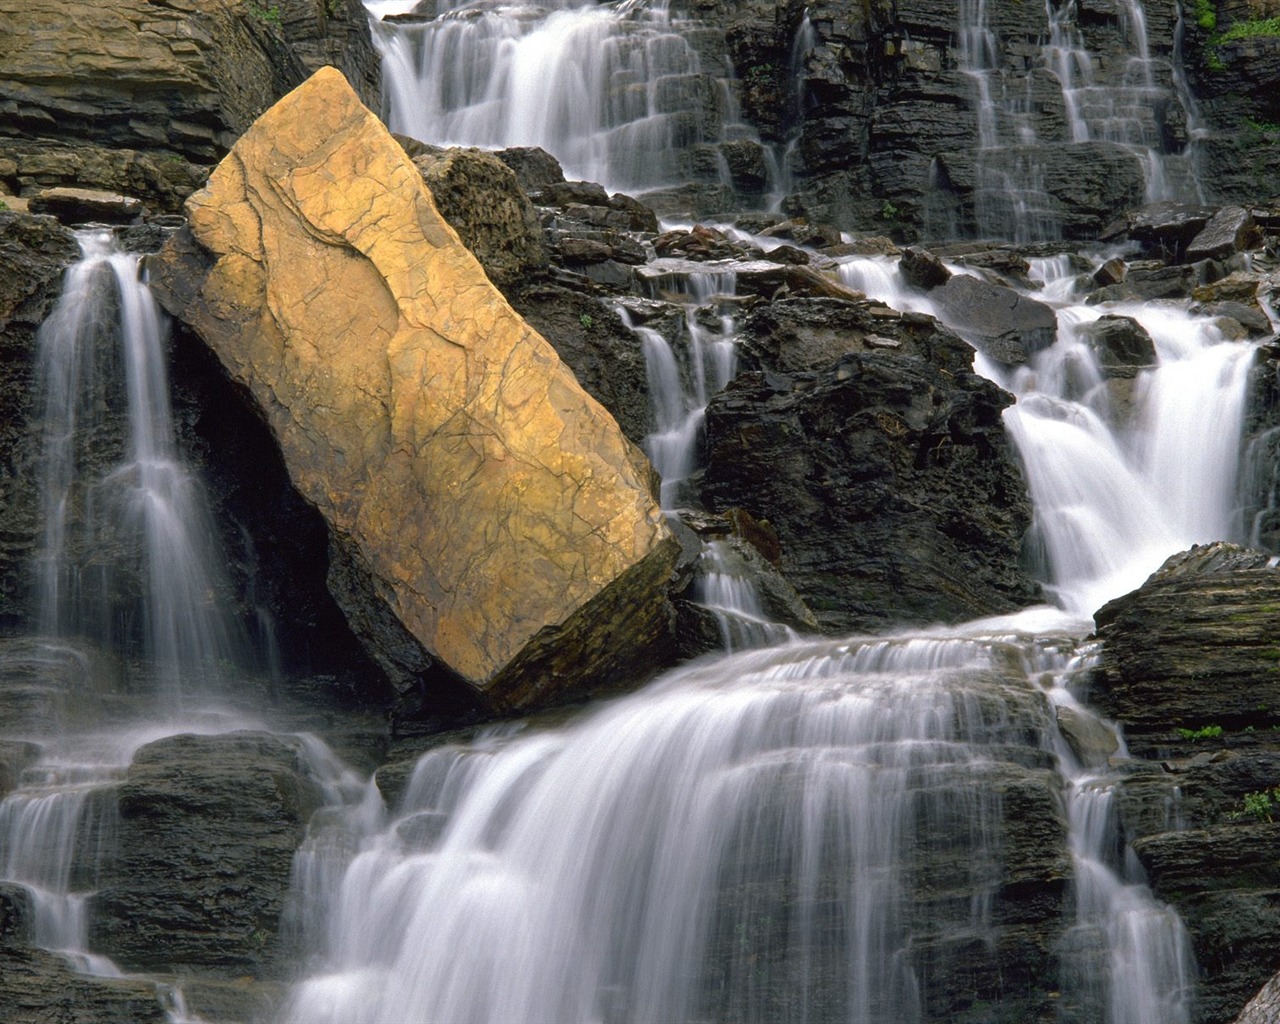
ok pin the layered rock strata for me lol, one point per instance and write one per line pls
(143, 97)
(484, 512)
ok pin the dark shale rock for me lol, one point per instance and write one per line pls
(1210, 615)
(535, 168)
(480, 197)
(999, 322)
(923, 269)
(1122, 345)
(887, 477)
(37, 987)
(1168, 228)
(1229, 231)
(34, 252)
(142, 98)
(209, 825)
(1225, 883)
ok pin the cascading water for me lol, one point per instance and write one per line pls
(126, 556)
(616, 92)
(1113, 98)
(127, 566)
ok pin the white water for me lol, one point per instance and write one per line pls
(129, 567)
(745, 844)
(614, 91)
(128, 550)
(1103, 100)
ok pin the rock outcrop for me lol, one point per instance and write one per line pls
(209, 826)
(142, 97)
(1189, 668)
(1210, 613)
(34, 252)
(485, 513)
(884, 469)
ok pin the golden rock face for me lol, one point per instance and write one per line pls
(455, 458)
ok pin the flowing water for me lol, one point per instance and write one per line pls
(822, 830)
(1116, 98)
(620, 93)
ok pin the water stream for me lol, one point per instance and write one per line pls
(820, 830)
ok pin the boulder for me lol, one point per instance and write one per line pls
(481, 199)
(485, 514)
(886, 475)
(1121, 344)
(208, 829)
(999, 322)
(1229, 231)
(1264, 1008)
(1210, 613)
(923, 269)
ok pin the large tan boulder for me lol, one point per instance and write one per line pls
(471, 487)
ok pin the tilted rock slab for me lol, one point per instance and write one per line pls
(471, 487)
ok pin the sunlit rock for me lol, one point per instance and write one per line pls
(484, 511)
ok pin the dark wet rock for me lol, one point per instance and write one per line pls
(887, 477)
(1239, 286)
(209, 825)
(16, 921)
(37, 987)
(799, 334)
(1229, 231)
(1121, 344)
(702, 243)
(1168, 228)
(1150, 280)
(481, 198)
(999, 322)
(141, 98)
(1111, 272)
(34, 253)
(1225, 884)
(1211, 613)
(604, 354)
(923, 269)
(81, 205)
(535, 168)
(1251, 319)
(15, 755)
(1092, 742)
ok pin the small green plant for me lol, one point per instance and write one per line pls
(266, 15)
(888, 211)
(3, 205)
(1251, 29)
(1260, 805)
(586, 320)
(1206, 14)
(332, 8)
(1207, 732)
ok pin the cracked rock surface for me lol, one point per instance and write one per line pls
(486, 514)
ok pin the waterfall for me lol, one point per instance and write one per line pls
(1109, 98)
(616, 92)
(128, 554)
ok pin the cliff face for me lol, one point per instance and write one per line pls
(142, 98)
